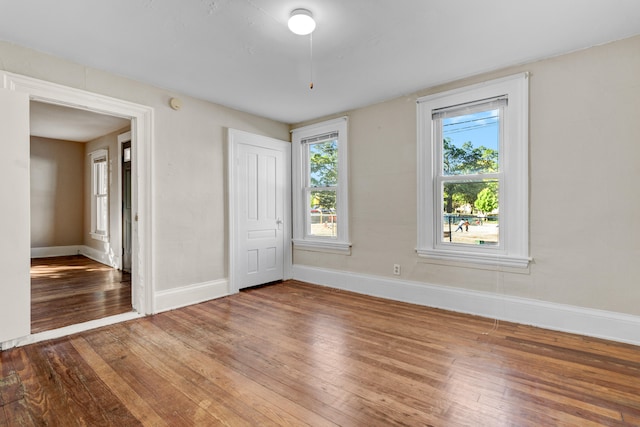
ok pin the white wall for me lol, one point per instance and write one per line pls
(584, 197)
(189, 223)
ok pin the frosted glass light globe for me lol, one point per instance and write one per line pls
(301, 22)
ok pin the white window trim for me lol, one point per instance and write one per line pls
(95, 234)
(340, 243)
(513, 250)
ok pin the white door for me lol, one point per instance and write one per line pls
(259, 212)
(15, 253)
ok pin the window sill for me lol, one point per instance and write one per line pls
(491, 259)
(342, 248)
(101, 237)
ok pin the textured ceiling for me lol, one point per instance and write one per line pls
(239, 53)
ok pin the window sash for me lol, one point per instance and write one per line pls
(499, 104)
(309, 189)
(99, 194)
(437, 116)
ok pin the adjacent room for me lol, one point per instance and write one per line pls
(76, 222)
(258, 212)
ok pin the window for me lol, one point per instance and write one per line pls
(99, 195)
(473, 174)
(320, 187)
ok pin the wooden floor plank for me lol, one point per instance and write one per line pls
(82, 387)
(160, 394)
(127, 397)
(296, 354)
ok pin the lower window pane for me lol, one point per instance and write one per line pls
(323, 221)
(470, 212)
(101, 214)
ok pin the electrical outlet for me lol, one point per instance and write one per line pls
(396, 269)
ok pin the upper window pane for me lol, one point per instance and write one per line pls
(101, 177)
(471, 142)
(323, 164)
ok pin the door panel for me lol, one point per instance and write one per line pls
(259, 202)
(260, 195)
(15, 253)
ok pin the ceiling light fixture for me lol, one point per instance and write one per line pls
(301, 22)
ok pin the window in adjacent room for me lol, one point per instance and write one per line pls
(320, 186)
(99, 195)
(473, 166)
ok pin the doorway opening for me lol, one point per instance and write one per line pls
(16, 94)
(80, 184)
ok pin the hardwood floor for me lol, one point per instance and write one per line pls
(74, 289)
(297, 354)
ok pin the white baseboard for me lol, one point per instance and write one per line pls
(52, 251)
(560, 317)
(96, 255)
(192, 294)
(100, 256)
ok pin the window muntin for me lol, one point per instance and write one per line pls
(504, 203)
(320, 187)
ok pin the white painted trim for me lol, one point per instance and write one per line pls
(68, 330)
(192, 294)
(513, 250)
(560, 317)
(326, 246)
(102, 153)
(141, 117)
(53, 251)
(142, 142)
(341, 244)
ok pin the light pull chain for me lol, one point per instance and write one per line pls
(311, 60)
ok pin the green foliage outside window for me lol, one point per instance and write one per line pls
(323, 163)
(465, 160)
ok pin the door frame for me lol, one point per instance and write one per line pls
(123, 138)
(141, 117)
(234, 139)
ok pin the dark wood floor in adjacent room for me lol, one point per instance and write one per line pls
(297, 354)
(75, 289)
